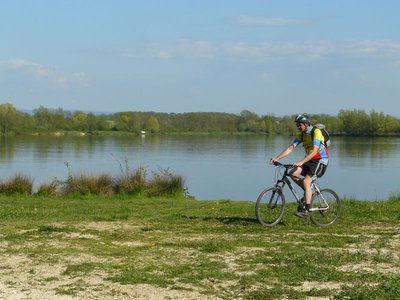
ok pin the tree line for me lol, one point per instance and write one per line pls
(44, 120)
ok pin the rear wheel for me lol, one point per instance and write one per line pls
(325, 208)
(270, 206)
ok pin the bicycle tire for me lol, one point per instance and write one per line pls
(270, 206)
(319, 213)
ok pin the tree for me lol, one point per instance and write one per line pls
(79, 121)
(43, 118)
(91, 122)
(8, 118)
(123, 121)
(270, 124)
(355, 122)
(152, 125)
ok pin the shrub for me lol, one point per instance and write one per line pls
(166, 184)
(131, 182)
(19, 184)
(49, 189)
(88, 184)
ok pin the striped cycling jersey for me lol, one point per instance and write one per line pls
(308, 143)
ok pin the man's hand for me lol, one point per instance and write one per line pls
(273, 160)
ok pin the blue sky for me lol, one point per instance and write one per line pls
(269, 57)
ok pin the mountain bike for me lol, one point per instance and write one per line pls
(271, 204)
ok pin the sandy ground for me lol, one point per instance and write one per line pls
(21, 278)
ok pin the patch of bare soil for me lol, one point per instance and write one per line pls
(22, 278)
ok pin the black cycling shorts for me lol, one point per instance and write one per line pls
(313, 167)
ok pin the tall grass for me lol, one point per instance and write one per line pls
(130, 182)
(49, 189)
(394, 197)
(86, 184)
(18, 184)
(165, 183)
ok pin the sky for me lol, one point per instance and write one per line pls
(269, 57)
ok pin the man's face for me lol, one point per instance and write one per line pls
(301, 126)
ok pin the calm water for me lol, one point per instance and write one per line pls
(215, 167)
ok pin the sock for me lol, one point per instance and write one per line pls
(307, 206)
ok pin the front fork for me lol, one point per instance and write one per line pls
(278, 189)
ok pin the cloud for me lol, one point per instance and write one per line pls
(195, 49)
(270, 50)
(36, 69)
(79, 78)
(238, 51)
(182, 49)
(248, 20)
(41, 72)
(384, 48)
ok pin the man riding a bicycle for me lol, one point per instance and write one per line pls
(314, 162)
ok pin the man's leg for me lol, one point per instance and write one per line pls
(304, 212)
(295, 175)
(307, 191)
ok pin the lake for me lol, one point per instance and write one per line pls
(214, 166)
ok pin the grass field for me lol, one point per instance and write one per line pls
(122, 248)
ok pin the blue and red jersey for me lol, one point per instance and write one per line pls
(309, 143)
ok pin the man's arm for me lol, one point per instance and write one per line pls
(284, 153)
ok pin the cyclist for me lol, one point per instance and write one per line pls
(314, 162)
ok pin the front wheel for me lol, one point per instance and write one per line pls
(270, 206)
(325, 208)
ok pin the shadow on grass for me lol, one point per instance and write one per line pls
(225, 220)
(232, 220)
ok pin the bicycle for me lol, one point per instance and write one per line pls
(325, 207)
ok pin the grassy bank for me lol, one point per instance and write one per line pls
(118, 247)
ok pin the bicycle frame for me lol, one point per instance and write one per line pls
(318, 192)
(280, 184)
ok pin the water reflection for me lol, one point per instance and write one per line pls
(367, 152)
(215, 166)
(43, 146)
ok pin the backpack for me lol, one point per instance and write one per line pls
(325, 134)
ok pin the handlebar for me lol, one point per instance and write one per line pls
(288, 166)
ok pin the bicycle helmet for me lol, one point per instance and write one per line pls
(302, 118)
